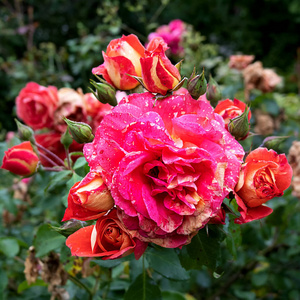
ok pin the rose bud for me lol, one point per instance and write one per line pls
(25, 132)
(36, 105)
(213, 93)
(229, 110)
(105, 92)
(197, 85)
(107, 239)
(20, 160)
(122, 57)
(88, 199)
(264, 175)
(239, 127)
(81, 132)
(273, 142)
(158, 73)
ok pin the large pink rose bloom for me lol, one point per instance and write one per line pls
(168, 166)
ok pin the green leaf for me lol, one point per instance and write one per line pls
(166, 262)
(171, 295)
(203, 250)
(110, 263)
(47, 240)
(3, 281)
(9, 246)
(24, 285)
(58, 179)
(234, 236)
(8, 201)
(81, 166)
(143, 288)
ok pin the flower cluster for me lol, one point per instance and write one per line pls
(161, 162)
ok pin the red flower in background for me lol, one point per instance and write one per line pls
(229, 110)
(122, 57)
(264, 175)
(20, 160)
(36, 105)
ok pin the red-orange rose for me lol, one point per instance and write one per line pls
(20, 160)
(158, 73)
(122, 57)
(264, 175)
(36, 105)
(229, 109)
(88, 199)
(107, 239)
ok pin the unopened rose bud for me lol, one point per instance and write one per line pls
(239, 127)
(69, 227)
(25, 132)
(81, 132)
(213, 93)
(105, 92)
(272, 142)
(197, 85)
(66, 139)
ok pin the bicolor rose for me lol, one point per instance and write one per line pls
(168, 166)
(264, 175)
(36, 104)
(229, 110)
(122, 57)
(108, 239)
(70, 105)
(88, 199)
(20, 160)
(158, 73)
(219, 218)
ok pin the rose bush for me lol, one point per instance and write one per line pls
(20, 160)
(158, 73)
(88, 199)
(122, 57)
(168, 166)
(108, 239)
(36, 105)
(264, 175)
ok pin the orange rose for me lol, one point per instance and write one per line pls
(107, 239)
(88, 199)
(264, 175)
(122, 57)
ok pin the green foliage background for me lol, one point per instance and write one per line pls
(57, 42)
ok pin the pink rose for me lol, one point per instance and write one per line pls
(122, 57)
(264, 175)
(172, 34)
(20, 160)
(168, 166)
(36, 105)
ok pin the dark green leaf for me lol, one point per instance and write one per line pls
(81, 166)
(166, 262)
(143, 289)
(171, 295)
(47, 240)
(24, 285)
(9, 246)
(203, 250)
(234, 237)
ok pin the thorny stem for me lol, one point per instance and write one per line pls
(53, 169)
(48, 159)
(68, 158)
(50, 153)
